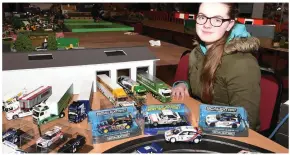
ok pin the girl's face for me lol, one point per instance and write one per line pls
(211, 30)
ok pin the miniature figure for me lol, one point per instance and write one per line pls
(184, 134)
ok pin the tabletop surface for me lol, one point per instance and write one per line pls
(100, 102)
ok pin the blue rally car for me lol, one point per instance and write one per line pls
(153, 148)
(12, 135)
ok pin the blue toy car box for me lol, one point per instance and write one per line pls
(159, 118)
(223, 120)
(113, 124)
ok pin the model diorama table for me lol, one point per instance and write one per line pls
(83, 25)
(169, 54)
(100, 101)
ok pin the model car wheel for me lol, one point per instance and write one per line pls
(15, 117)
(234, 125)
(196, 140)
(172, 140)
(61, 115)
(106, 131)
(74, 150)
(174, 123)
(212, 124)
(128, 126)
(16, 140)
(155, 124)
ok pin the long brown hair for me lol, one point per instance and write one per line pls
(213, 60)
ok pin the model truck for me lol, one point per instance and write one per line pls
(114, 92)
(78, 110)
(10, 98)
(133, 89)
(73, 145)
(54, 107)
(158, 88)
(23, 107)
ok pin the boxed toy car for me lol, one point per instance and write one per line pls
(113, 124)
(223, 120)
(17, 135)
(159, 118)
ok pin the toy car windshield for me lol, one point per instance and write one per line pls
(176, 131)
(46, 137)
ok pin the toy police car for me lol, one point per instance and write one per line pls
(73, 145)
(115, 124)
(165, 117)
(228, 120)
(12, 135)
(153, 148)
(50, 137)
(184, 134)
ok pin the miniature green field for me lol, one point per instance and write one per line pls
(98, 28)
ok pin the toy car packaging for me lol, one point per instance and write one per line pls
(159, 118)
(113, 124)
(223, 120)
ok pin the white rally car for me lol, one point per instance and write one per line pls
(184, 134)
(165, 117)
(227, 120)
(50, 137)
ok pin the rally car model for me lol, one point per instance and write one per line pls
(12, 135)
(10, 148)
(228, 120)
(50, 137)
(184, 134)
(115, 124)
(153, 148)
(73, 145)
(164, 117)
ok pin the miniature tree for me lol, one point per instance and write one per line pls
(17, 23)
(23, 43)
(52, 44)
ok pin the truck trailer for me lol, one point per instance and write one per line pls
(158, 88)
(54, 107)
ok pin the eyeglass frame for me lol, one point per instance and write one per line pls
(223, 20)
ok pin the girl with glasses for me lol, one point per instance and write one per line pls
(222, 70)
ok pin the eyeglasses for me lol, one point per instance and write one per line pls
(214, 21)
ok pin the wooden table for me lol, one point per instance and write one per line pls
(100, 101)
(169, 54)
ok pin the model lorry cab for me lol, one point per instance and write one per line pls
(114, 92)
(158, 88)
(78, 110)
(54, 107)
(132, 86)
(164, 117)
(10, 100)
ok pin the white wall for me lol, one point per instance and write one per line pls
(18, 79)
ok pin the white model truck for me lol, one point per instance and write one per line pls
(10, 98)
(54, 107)
(165, 117)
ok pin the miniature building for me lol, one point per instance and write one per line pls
(47, 68)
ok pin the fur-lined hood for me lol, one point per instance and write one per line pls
(244, 45)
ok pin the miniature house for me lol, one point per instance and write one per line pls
(56, 67)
